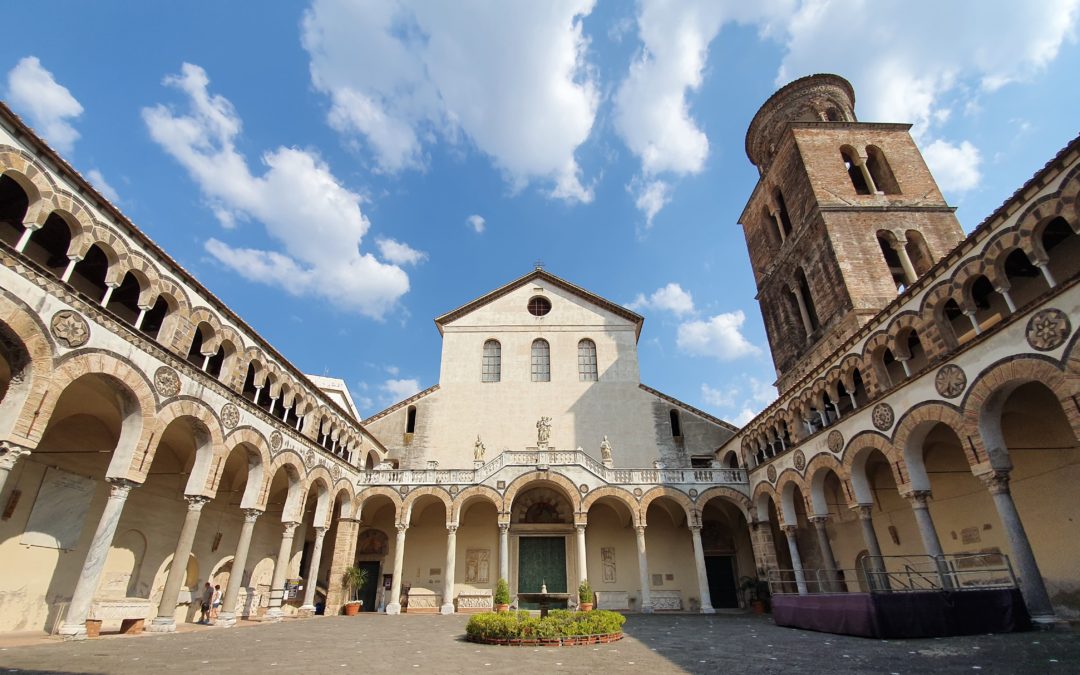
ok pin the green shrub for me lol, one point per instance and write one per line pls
(585, 592)
(558, 623)
(502, 593)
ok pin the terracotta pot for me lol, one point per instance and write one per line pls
(585, 607)
(502, 608)
(93, 628)
(352, 608)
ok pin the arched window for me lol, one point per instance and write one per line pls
(124, 301)
(541, 361)
(1026, 282)
(492, 366)
(13, 205)
(892, 259)
(195, 354)
(782, 212)
(854, 171)
(155, 317)
(918, 252)
(1062, 246)
(88, 276)
(807, 302)
(586, 361)
(410, 420)
(676, 429)
(880, 172)
(49, 244)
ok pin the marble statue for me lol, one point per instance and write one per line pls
(605, 450)
(543, 430)
(478, 449)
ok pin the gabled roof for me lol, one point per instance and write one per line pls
(541, 274)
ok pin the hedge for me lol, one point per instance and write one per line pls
(557, 624)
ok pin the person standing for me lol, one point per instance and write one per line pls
(207, 598)
(215, 604)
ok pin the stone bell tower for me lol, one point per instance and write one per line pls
(845, 216)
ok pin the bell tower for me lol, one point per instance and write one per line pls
(845, 215)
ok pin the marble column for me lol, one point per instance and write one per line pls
(876, 577)
(504, 551)
(796, 559)
(920, 505)
(313, 571)
(702, 573)
(281, 568)
(394, 606)
(820, 528)
(1023, 559)
(12, 453)
(227, 616)
(165, 622)
(582, 567)
(74, 626)
(451, 564)
(643, 570)
(905, 263)
(803, 313)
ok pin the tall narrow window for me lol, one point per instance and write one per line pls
(492, 368)
(854, 172)
(586, 361)
(676, 430)
(785, 218)
(541, 361)
(410, 420)
(880, 171)
(808, 301)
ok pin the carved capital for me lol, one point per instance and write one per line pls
(290, 527)
(864, 511)
(401, 527)
(997, 482)
(504, 528)
(320, 532)
(920, 499)
(695, 530)
(580, 527)
(251, 515)
(451, 529)
(120, 488)
(196, 502)
(818, 519)
(789, 530)
(10, 453)
(640, 530)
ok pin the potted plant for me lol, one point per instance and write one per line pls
(502, 596)
(585, 596)
(757, 594)
(354, 578)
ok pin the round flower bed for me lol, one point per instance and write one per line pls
(558, 628)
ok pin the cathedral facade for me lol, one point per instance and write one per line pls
(929, 405)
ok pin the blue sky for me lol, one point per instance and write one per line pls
(341, 172)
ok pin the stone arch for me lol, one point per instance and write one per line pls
(817, 470)
(680, 497)
(293, 464)
(621, 495)
(362, 496)
(899, 327)
(474, 493)
(537, 478)
(932, 308)
(115, 250)
(28, 172)
(965, 276)
(343, 490)
(1038, 213)
(139, 427)
(439, 493)
(982, 403)
(998, 249)
(763, 494)
(319, 478)
(201, 480)
(856, 453)
(911, 431)
(30, 337)
(729, 495)
(785, 484)
(259, 460)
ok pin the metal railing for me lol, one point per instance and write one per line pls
(545, 458)
(900, 574)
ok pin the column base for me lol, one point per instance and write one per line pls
(393, 608)
(73, 631)
(708, 610)
(447, 609)
(162, 624)
(1049, 622)
(274, 615)
(307, 611)
(226, 620)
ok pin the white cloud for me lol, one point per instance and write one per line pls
(717, 337)
(34, 91)
(477, 223)
(718, 398)
(511, 78)
(302, 205)
(908, 62)
(401, 389)
(651, 197)
(740, 401)
(102, 186)
(393, 370)
(671, 298)
(955, 167)
(398, 253)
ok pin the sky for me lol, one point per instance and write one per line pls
(343, 171)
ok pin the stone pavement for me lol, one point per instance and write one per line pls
(434, 644)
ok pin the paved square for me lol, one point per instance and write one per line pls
(654, 644)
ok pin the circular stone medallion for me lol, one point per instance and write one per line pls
(70, 329)
(583, 488)
(167, 381)
(275, 441)
(404, 490)
(800, 460)
(230, 416)
(836, 441)
(335, 472)
(950, 381)
(770, 473)
(454, 489)
(1046, 330)
(693, 493)
(883, 416)
(638, 492)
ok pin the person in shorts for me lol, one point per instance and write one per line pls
(215, 604)
(207, 598)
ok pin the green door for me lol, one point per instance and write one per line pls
(541, 560)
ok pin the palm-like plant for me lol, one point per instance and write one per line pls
(355, 578)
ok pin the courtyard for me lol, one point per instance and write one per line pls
(654, 643)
